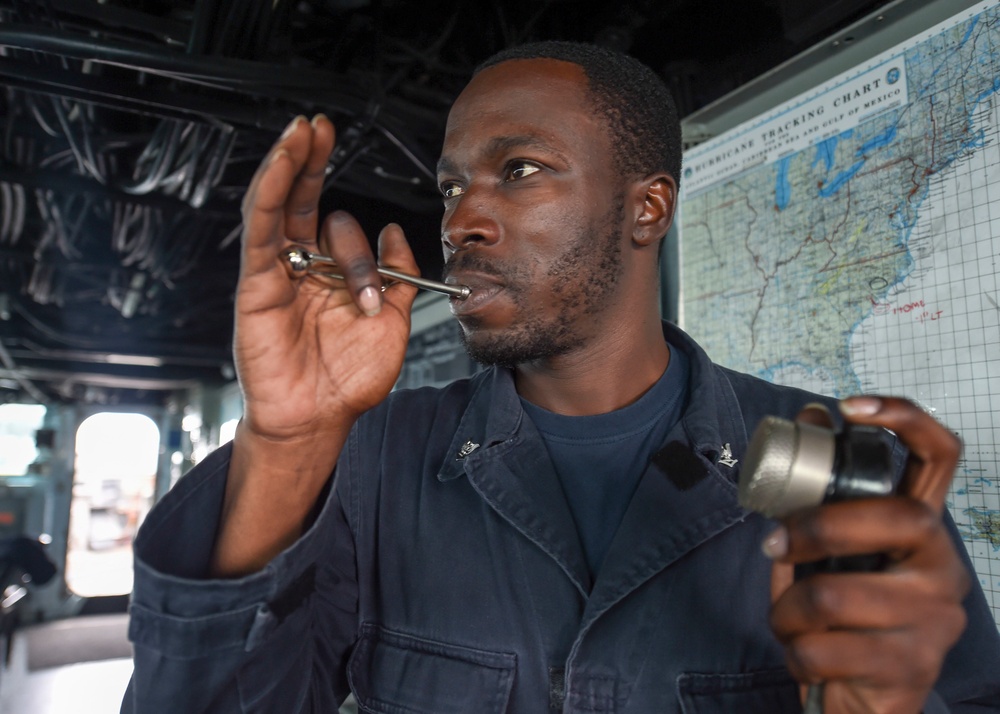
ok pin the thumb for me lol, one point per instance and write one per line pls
(782, 575)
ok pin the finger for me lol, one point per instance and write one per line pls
(262, 222)
(816, 414)
(782, 577)
(394, 252)
(865, 601)
(302, 206)
(263, 205)
(934, 450)
(347, 244)
(897, 526)
(285, 142)
(864, 658)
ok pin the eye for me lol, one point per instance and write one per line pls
(521, 169)
(450, 189)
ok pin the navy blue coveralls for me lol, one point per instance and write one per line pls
(443, 574)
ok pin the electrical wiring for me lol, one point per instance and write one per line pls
(132, 235)
(36, 112)
(40, 284)
(63, 240)
(427, 58)
(179, 182)
(200, 26)
(13, 198)
(171, 161)
(158, 154)
(185, 258)
(7, 206)
(56, 159)
(81, 113)
(346, 162)
(231, 31)
(216, 165)
(133, 248)
(20, 209)
(133, 56)
(27, 385)
(141, 196)
(408, 153)
(231, 236)
(277, 20)
(85, 163)
(48, 234)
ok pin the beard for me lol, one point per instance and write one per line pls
(581, 280)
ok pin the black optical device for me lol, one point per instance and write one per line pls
(790, 466)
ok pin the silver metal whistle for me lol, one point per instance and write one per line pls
(302, 260)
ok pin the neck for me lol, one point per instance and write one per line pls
(610, 371)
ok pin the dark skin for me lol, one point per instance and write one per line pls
(526, 170)
(517, 190)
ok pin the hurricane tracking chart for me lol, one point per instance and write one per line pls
(847, 242)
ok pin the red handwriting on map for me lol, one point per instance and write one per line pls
(917, 309)
(909, 307)
(879, 308)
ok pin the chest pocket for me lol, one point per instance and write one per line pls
(767, 692)
(393, 673)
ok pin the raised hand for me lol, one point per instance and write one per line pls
(312, 354)
(876, 640)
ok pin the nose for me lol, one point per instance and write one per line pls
(469, 220)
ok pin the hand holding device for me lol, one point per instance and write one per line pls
(875, 639)
(790, 466)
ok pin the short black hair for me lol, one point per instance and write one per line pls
(642, 118)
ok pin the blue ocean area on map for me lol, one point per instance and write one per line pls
(826, 151)
(968, 33)
(783, 187)
(976, 142)
(992, 90)
(840, 179)
(878, 142)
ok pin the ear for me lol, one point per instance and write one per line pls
(656, 200)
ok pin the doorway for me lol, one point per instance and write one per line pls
(113, 490)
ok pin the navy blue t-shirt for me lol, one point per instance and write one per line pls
(600, 458)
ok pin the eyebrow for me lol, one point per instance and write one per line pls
(503, 144)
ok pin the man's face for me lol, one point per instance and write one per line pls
(533, 212)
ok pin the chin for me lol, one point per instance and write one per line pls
(486, 346)
(511, 346)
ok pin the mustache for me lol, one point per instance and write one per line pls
(474, 262)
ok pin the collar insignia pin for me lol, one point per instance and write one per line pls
(726, 459)
(467, 448)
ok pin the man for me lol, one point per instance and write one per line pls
(560, 532)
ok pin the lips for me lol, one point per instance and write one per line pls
(484, 289)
